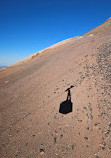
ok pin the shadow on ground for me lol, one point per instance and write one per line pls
(66, 106)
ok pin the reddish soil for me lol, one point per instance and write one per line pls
(32, 91)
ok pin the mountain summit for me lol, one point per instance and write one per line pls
(56, 102)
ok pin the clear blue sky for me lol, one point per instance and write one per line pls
(27, 26)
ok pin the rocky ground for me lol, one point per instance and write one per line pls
(31, 94)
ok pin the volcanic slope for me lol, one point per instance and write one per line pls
(32, 90)
(103, 28)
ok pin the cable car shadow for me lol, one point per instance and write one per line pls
(66, 106)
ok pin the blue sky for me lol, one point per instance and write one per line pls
(27, 26)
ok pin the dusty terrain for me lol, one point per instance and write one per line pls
(103, 28)
(31, 93)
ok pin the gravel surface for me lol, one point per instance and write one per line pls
(32, 91)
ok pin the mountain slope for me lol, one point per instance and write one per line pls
(103, 28)
(31, 93)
